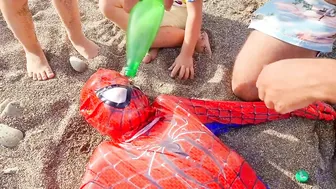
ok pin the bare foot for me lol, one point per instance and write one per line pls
(85, 47)
(203, 44)
(38, 67)
(150, 56)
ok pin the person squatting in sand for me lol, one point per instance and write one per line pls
(181, 26)
(278, 62)
(19, 20)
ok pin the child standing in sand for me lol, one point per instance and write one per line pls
(19, 20)
(181, 26)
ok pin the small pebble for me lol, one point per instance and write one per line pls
(12, 109)
(11, 170)
(78, 64)
(301, 176)
(4, 104)
(36, 132)
(9, 137)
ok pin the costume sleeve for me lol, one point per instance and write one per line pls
(218, 115)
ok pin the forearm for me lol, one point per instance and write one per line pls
(326, 74)
(193, 27)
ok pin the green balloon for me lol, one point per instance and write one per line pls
(301, 176)
(143, 25)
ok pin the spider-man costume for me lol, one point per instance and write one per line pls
(171, 143)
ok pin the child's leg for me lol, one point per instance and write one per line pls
(113, 10)
(259, 50)
(19, 20)
(167, 36)
(69, 13)
(281, 32)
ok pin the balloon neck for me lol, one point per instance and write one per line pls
(131, 68)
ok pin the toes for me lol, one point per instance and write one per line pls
(207, 47)
(150, 56)
(147, 59)
(154, 53)
(39, 77)
(207, 50)
(34, 76)
(44, 76)
(30, 74)
(50, 74)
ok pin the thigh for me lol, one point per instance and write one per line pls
(285, 29)
(114, 10)
(176, 17)
(261, 49)
(110, 4)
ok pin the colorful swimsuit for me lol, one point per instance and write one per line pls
(309, 24)
(177, 16)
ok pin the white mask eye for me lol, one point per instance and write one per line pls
(117, 95)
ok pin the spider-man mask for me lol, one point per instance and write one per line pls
(111, 104)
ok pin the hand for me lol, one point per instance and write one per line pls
(129, 4)
(291, 84)
(184, 65)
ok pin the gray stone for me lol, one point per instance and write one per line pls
(78, 64)
(12, 108)
(4, 104)
(9, 137)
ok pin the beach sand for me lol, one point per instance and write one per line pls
(58, 141)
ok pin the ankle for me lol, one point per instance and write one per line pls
(76, 37)
(34, 50)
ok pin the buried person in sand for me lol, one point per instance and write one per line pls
(19, 20)
(291, 34)
(181, 26)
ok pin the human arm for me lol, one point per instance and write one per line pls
(291, 84)
(184, 62)
(129, 4)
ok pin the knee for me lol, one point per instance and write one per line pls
(17, 3)
(103, 6)
(106, 7)
(244, 88)
(245, 91)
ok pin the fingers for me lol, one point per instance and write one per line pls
(168, 4)
(269, 104)
(261, 93)
(175, 70)
(262, 96)
(192, 72)
(187, 73)
(172, 66)
(280, 108)
(182, 72)
(129, 4)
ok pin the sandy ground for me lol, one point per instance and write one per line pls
(58, 142)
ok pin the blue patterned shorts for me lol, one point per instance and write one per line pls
(309, 24)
